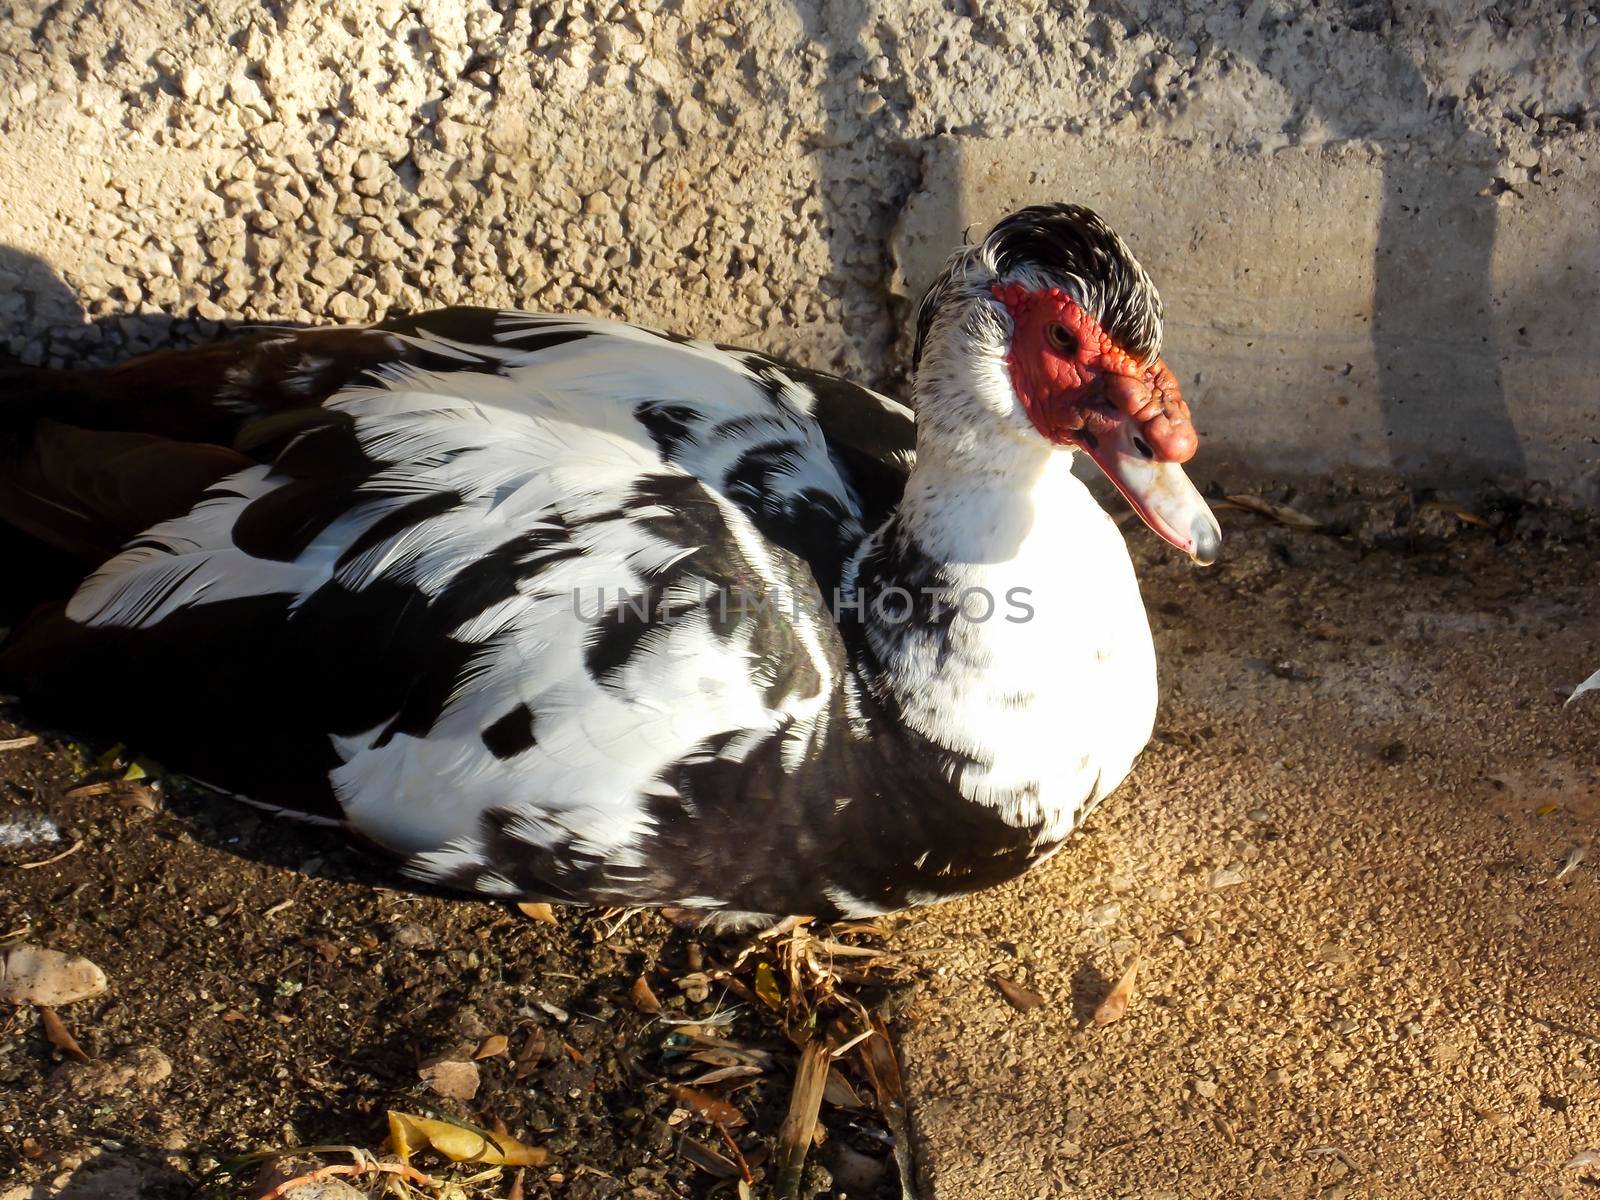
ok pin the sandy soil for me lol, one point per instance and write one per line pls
(1337, 863)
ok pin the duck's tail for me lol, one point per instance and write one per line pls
(90, 458)
(81, 468)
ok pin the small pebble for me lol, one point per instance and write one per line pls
(1102, 915)
(413, 937)
(1226, 877)
(36, 975)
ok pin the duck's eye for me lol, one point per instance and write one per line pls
(1063, 339)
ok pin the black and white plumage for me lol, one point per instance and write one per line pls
(556, 607)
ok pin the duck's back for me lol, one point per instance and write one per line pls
(495, 589)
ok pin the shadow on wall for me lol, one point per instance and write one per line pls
(46, 324)
(1431, 330)
(859, 218)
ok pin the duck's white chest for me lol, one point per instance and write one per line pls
(1051, 698)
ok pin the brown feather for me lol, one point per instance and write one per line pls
(87, 491)
(98, 456)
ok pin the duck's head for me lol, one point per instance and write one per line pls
(1047, 334)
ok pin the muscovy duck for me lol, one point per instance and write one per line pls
(556, 607)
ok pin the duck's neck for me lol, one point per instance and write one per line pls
(968, 535)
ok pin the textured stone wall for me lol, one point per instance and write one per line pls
(1376, 219)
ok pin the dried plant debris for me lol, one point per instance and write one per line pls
(1283, 514)
(57, 1034)
(1460, 512)
(133, 797)
(492, 1046)
(455, 1078)
(707, 1107)
(1020, 998)
(791, 1023)
(800, 1123)
(737, 1034)
(883, 1069)
(290, 1173)
(1115, 1006)
(644, 999)
(538, 911)
(459, 1142)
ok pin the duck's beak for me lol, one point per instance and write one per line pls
(1160, 492)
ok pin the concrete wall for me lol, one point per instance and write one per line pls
(1373, 220)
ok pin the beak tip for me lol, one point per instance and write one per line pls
(1207, 537)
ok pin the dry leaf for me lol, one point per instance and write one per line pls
(408, 1134)
(528, 1058)
(643, 998)
(843, 950)
(883, 1072)
(1459, 512)
(707, 1159)
(707, 1107)
(90, 789)
(1115, 1005)
(838, 1091)
(538, 911)
(732, 1056)
(767, 987)
(1019, 997)
(1584, 1158)
(56, 1034)
(1281, 513)
(723, 1074)
(492, 1046)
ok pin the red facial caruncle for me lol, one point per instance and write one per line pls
(1070, 377)
(1080, 389)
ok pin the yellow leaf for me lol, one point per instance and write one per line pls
(538, 911)
(408, 1134)
(767, 987)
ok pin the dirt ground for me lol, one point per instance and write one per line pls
(1359, 974)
